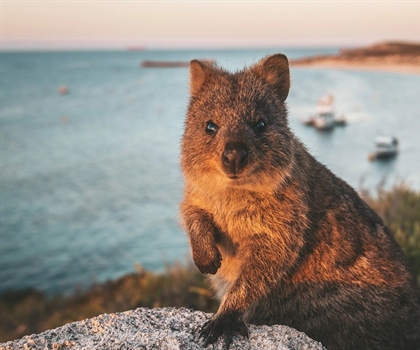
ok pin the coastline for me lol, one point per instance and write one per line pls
(400, 68)
(394, 57)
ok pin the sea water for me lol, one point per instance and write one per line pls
(90, 180)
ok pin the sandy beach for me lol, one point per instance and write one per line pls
(361, 65)
(387, 57)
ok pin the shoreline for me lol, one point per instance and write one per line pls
(393, 57)
(398, 68)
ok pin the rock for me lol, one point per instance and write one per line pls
(164, 328)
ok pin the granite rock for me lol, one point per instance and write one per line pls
(160, 328)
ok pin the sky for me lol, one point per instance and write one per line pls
(103, 24)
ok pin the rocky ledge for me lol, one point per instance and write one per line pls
(164, 328)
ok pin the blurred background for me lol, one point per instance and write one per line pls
(90, 132)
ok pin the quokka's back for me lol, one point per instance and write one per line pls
(284, 239)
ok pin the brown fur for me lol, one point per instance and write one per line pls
(286, 240)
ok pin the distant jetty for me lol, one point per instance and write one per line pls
(170, 64)
(135, 48)
(399, 57)
(164, 64)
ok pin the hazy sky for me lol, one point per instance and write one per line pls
(42, 24)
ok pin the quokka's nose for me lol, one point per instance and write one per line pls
(235, 157)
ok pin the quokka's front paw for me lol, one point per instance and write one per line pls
(226, 325)
(208, 261)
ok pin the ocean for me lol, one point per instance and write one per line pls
(90, 180)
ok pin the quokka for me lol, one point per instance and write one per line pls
(285, 240)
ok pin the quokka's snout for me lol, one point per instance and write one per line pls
(235, 158)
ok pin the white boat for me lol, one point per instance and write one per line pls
(385, 147)
(324, 118)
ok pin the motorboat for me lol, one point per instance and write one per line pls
(324, 118)
(385, 147)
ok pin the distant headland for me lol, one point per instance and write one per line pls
(392, 56)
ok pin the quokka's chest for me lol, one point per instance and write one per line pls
(242, 217)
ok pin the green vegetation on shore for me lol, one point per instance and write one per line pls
(399, 208)
(30, 311)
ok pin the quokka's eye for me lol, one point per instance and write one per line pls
(260, 125)
(211, 127)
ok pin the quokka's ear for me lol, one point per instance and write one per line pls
(275, 71)
(199, 72)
